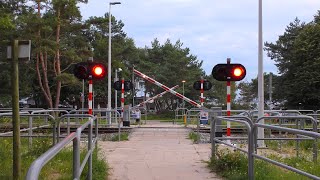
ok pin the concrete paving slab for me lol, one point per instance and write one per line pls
(157, 154)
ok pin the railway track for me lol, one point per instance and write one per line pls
(101, 130)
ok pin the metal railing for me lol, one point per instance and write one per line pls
(114, 116)
(37, 165)
(289, 130)
(30, 128)
(249, 125)
(301, 117)
(179, 113)
(252, 140)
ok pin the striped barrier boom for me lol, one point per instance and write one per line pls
(166, 88)
(122, 96)
(155, 97)
(201, 92)
(90, 97)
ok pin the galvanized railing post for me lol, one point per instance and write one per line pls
(119, 127)
(297, 136)
(250, 153)
(212, 137)
(30, 131)
(90, 149)
(68, 125)
(76, 156)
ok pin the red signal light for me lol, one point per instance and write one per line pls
(237, 71)
(98, 71)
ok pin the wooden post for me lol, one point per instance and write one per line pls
(16, 168)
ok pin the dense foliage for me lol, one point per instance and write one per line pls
(296, 55)
(61, 38)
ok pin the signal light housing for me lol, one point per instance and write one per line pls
(90, 70)
(206, 85)
(127, 85)
(80, 70)
(229, 72)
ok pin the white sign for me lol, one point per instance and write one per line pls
(204, 115)
(24, 50)
(136, 114)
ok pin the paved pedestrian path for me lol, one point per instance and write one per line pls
(157, 154)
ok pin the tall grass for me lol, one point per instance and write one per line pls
(234, 165)
(194, 137)
(60, 167)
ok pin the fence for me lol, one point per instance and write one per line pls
(252, 140)
(37, 165)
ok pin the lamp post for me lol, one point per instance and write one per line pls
(260, 75)
(109, 60)
(183, 81)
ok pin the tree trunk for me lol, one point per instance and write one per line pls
(57, 61)
(41, 60)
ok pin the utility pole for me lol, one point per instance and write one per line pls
(260, 77)
(16, 168)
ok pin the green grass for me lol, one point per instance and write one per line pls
(234, 165)
(194, 137)
(123, 137)
(166, 115)
(60, 167)
(304, 145)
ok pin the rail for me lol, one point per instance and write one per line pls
(37, 165)
(301, 117)
(252, 133)
(102, 110)
(248, 123)
(30, 129)
(289, 130)
(68, 116)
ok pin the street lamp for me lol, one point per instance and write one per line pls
(260, 75)
(109, 59)
(183, 81)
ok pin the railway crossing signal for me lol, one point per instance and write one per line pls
(127, 85)
(90, 70)
(206, 85)
(229, 72)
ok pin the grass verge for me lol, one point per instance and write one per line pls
(234, 165)
(60, 167)
(194, 137)
(123, 137)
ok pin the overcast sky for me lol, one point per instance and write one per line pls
(213, 29)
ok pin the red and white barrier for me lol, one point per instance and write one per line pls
(90, 97)
(166, 88)
(228, 106)
(122, 96)
(201, 92)
(155, 97)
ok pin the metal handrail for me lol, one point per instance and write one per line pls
(247, 122)
(251, 142)
(37, 165)
(314, 128)
(314, 135)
